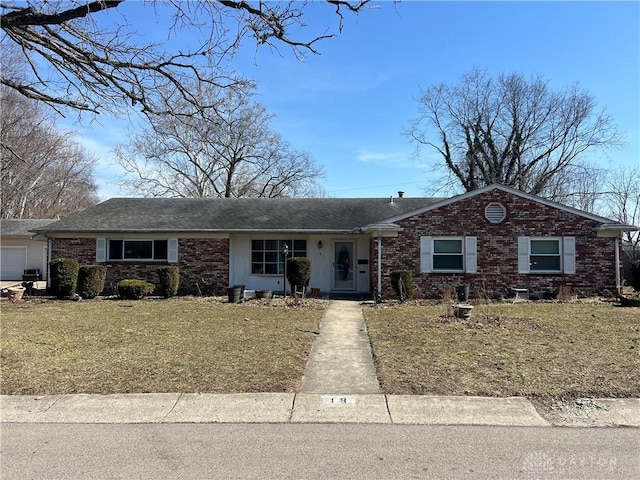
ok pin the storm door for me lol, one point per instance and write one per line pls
(344, 265)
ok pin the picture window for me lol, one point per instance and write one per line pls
(267, 257)
(137, 249)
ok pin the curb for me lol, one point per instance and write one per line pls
(298, 408)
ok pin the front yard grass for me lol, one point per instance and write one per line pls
(154, 345)
(537, 350)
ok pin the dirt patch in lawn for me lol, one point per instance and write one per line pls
(156, 345)
(543, 351)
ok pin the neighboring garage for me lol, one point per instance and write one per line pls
(20, 250)
(13, 261)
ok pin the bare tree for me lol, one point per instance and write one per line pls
(580, 185)
(510, 130)
(44, 173)
(229, 150)
(623, 204)
(78, 61)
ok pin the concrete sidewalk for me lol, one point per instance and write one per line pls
(268, 408)
(302, 408)
(41, 285)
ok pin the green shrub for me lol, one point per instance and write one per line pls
(635, 275)
(169, 281)
(408, 289)
(64, 276)
(91, 280)
(298, 272)
(131, 289)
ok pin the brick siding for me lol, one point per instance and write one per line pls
(497, 249)
(203, 264)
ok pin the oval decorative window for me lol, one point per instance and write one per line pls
(495, 212)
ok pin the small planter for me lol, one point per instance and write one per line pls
(263, 293)
(15, 293)
(235, 294)
(462, 310)
(629, 302)
(463, 293)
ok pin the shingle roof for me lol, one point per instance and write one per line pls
(235, 214)
(22, 227)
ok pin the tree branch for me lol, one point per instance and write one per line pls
(29, 16)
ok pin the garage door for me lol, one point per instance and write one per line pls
(13, 261)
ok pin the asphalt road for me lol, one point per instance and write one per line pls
(315, 451)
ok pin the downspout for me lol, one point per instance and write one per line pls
(617, 262)
(379, 296)
(48, 262)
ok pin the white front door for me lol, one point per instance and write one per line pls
(344, 265)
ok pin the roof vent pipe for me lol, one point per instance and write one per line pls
(400, 194)
(391, 199)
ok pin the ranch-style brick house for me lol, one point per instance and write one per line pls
(492, 239)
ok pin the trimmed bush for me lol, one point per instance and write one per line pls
(409, 289)
(91, 280)
(131, 289)
(298, 272)
(169, 281)
(64, 276)
(635, 275)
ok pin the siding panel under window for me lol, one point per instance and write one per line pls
(101, 250)
(425, 255)
(471, 256)
(172, 250)
(523, 255)
(569, 255)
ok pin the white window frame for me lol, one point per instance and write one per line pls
(292, 252)
(469, 254)
(566, 254)
(103, 254)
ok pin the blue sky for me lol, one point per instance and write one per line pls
(348, 106)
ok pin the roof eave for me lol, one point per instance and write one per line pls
(384, 229)
(216, 231)
(504, 188)
(617, 227)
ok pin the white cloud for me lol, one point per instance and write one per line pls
(400, 159)
(99, 143)
(101, 151)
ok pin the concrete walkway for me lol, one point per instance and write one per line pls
(340, 361)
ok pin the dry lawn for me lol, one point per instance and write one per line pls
(545, 350)
(155, 345)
